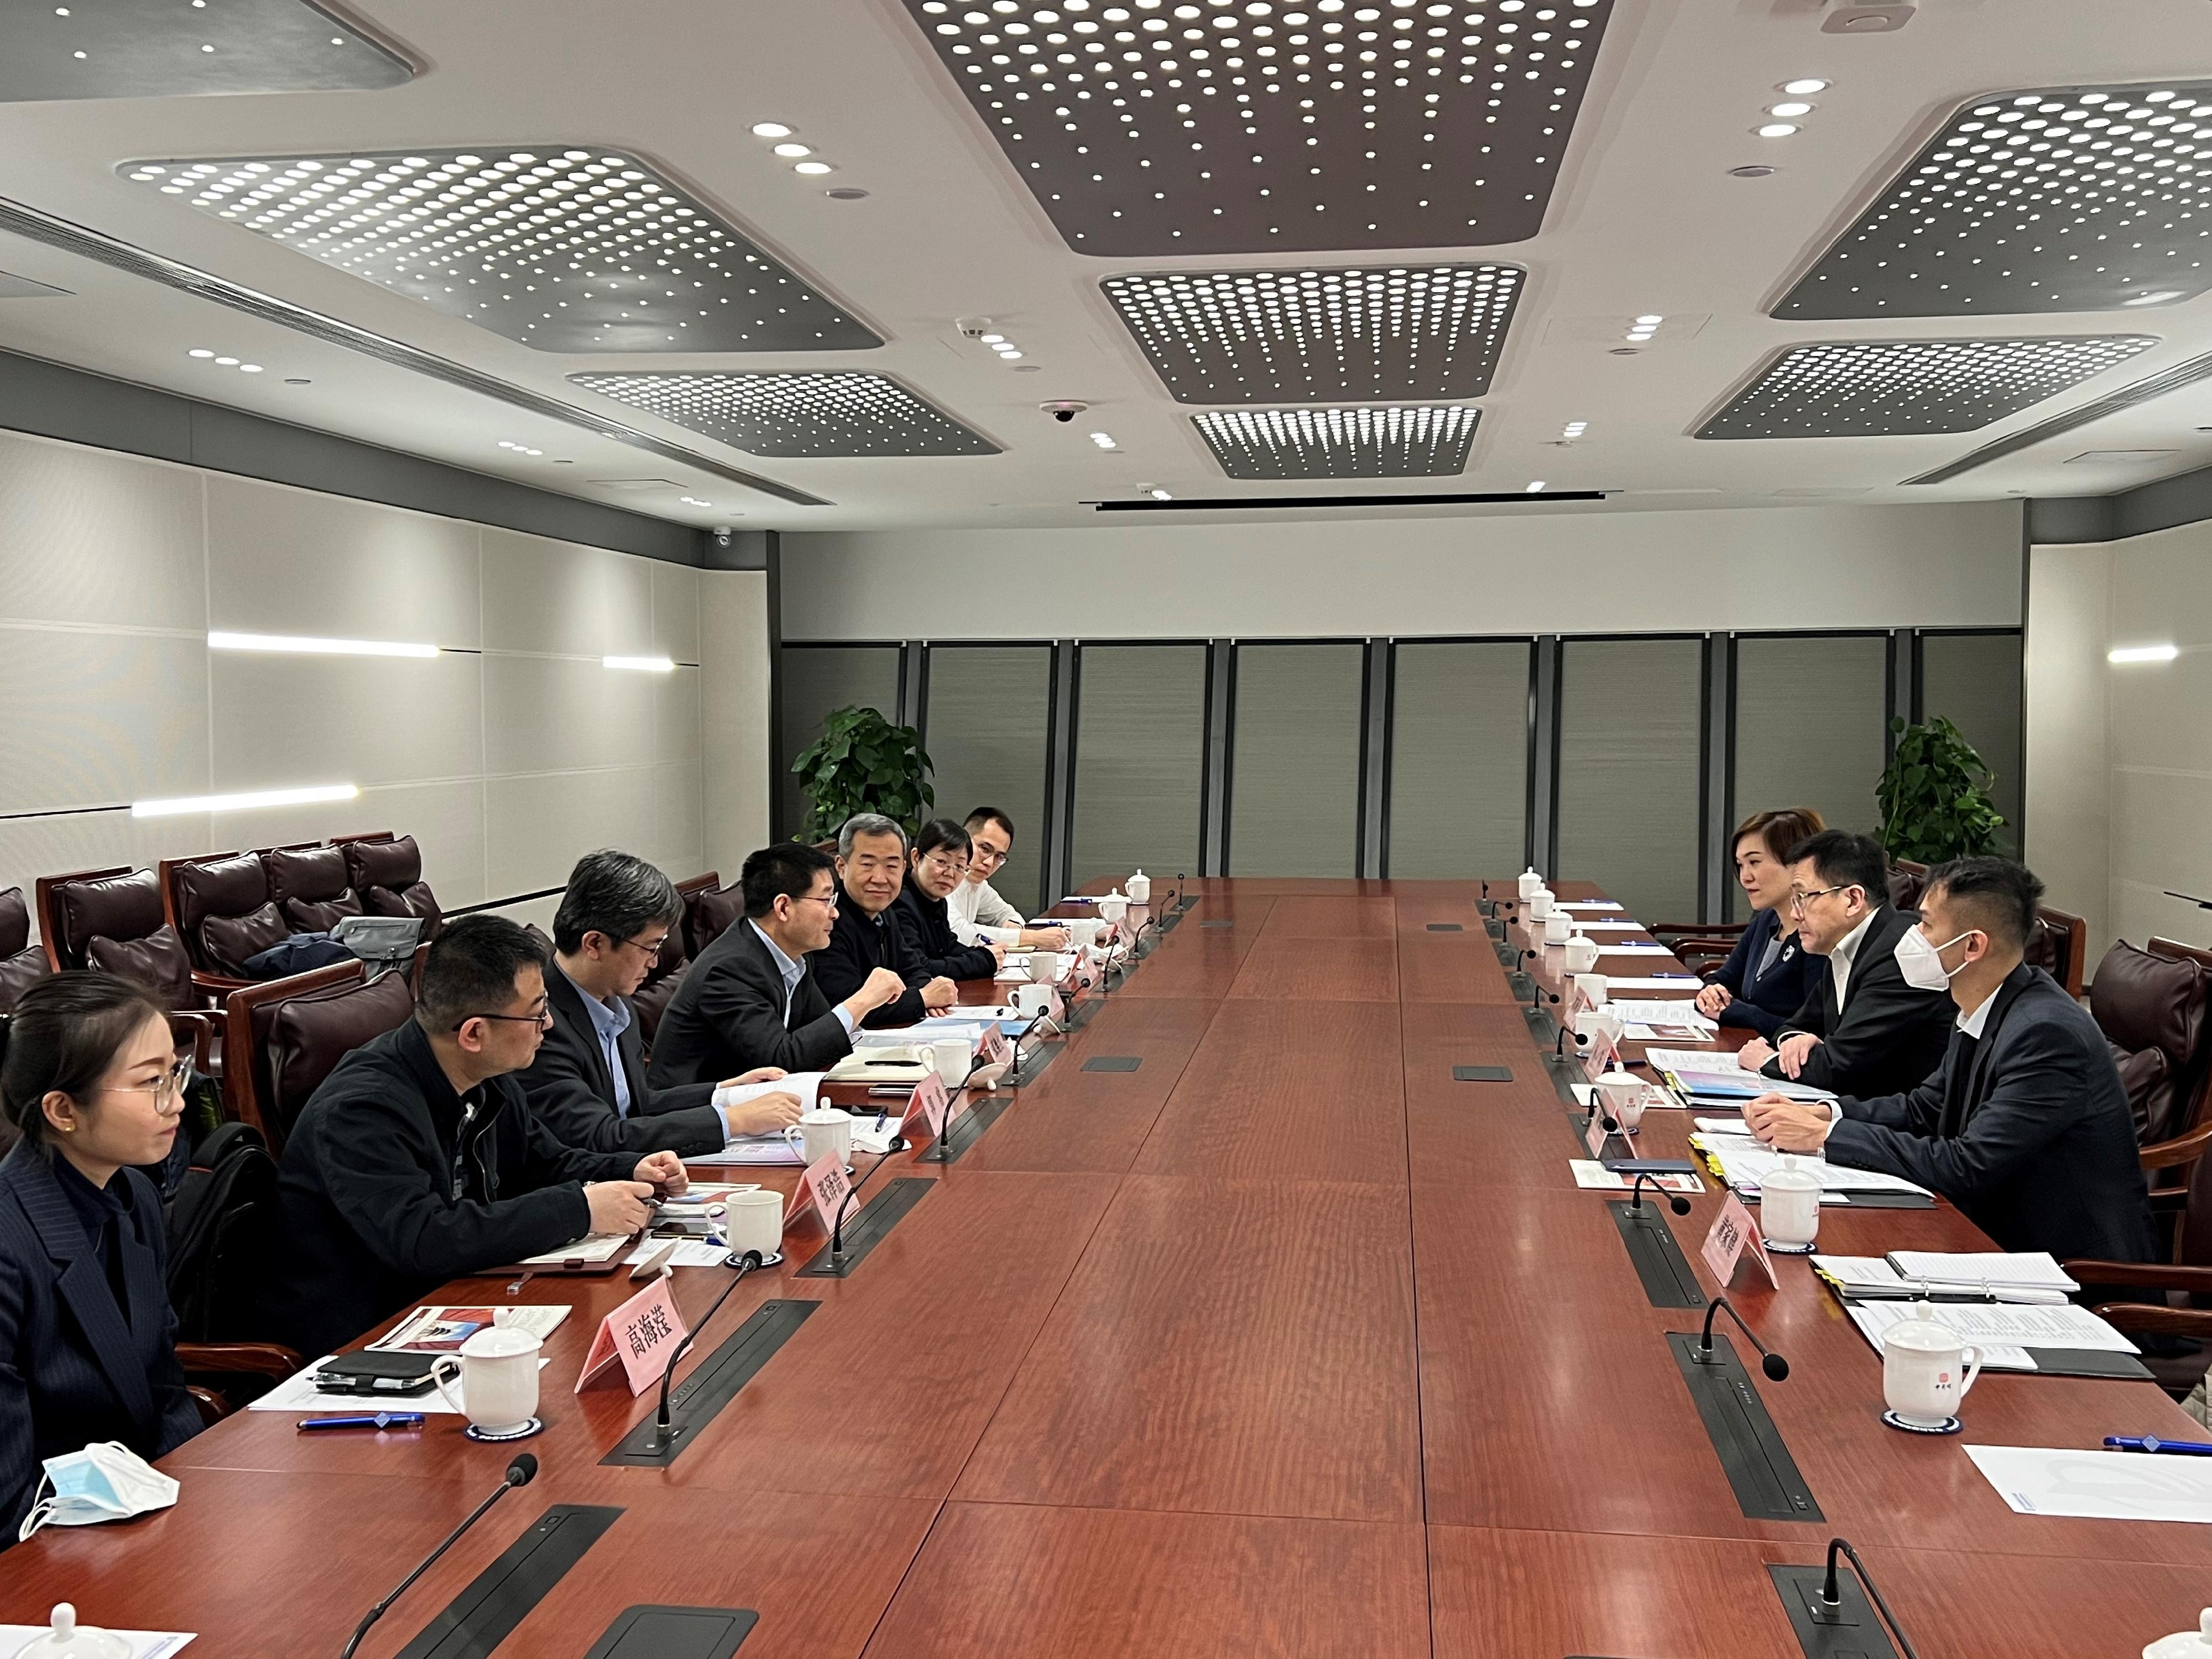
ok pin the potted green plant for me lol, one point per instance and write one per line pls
(1935, 796)
(863, 764)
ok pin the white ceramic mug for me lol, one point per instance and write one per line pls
(1582, 954)
(1113, 907)
(1140, 888)
(1558, 927)
(1083, 930)
(1538, 906)
(1926, 1369)
(820, 1133)
(1046, 966)
(1789, 1209)
(498, 1373)
(953, 1055)
(1530, 883)
(1591, 987)
(752, 1219)
(1029, 1000)
(1622, 1096)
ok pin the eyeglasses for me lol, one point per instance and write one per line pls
(167, 1089)
(647, 947)
(542, 1018)
(829, 898)
(1799, 900)
(944, 865)
(986, 853)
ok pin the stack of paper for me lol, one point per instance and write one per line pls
(1587, 904)
(1587, 1172)
(1884, 1279)
(2007, 1336)
(1709, 1075)
(806, 1086)
(442, 1330)
(1745, 1164)
(2015, 1276)
(1686, 984)
(2097, 1485)
(1589, 925)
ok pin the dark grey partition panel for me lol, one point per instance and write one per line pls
(1140, 759)
(1295, 760)
(987, 722)
(1809, 716)
(817, 678)
(1973, 680)
(1631, 725)
(1459, 757)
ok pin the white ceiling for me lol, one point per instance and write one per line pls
(1646, 219)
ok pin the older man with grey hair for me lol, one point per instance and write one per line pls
(871, 869)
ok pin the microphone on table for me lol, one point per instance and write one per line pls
(744, 1265)
(1559, 1044)
(1675, 1201)
(1012, 1079)
(837, 1226)
(520, 1473)
(1832, 1599)
(1776, 1367)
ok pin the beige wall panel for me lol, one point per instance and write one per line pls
(544, 595)
(283, 560)
(680, 820)
(676, 611)
(733, 677)
(91, 537)
(97, 719)
(677, 731)
(447, 820)
(31, 847)
(281, 721)
(2068, 821)
(556, 714)
(537, 827)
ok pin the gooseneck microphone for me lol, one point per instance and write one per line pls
(744, 1265)
(837, 1227)
(1776, 1367)
(1680, 1205)
(521, 1472)
(1560, 1046)
(1541, 995)
(1832, 1600)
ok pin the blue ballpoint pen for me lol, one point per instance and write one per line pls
(378, 1420)
(2151, 1443)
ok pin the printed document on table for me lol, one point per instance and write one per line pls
(690, 1252)
(804, 1086)
(1682, 982)
(143, 1644)
(1995, 1270)
(1662, 1014)
(2097, 1485)
(1634, 948)
(298, 1392)
(1588, 925)
(2010, 1324)
(1745, 1162)
(1589, 1172)
(1587, 904)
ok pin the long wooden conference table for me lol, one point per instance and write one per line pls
(1280, 1342)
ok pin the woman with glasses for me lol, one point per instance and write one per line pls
(92, 1087)
(1768, 975)
(935, 868)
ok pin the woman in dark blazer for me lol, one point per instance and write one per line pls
(935, 868)
(90, 1084)
(1767, 976)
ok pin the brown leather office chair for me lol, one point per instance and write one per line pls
(287, 1035)
(386, 875)
(112, 920)
(713, 914)
(311, 886)
(2060, 946)
(219, 904)
(652, 998)
(22, 964)
(2151, 1007)
(1907, 881)
(2177, 1298)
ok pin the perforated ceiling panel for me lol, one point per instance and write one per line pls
(797, 415)
(1244, 126)
(1414, 442)
(174, 49)
(562, 249)
(1264, 336)
(2080, 198)
(1875, 388)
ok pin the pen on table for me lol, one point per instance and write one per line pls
(2151, 1443)
(375, 1420)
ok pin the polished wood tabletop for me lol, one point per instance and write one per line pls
(1283, 1343)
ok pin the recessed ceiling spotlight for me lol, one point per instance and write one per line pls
(813, 169)
(227, 363)
(1650, 320)
(1804, 89)
(199, 352)
(1009, 357)
(1159, 493)
(1104, 441)
(1776, 130)
(770, 129)
(1535, 487)
(1789, 111)
(793, 150)
(249, 368)
(992, 339)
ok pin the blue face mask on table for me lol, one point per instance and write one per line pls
(106, 1481)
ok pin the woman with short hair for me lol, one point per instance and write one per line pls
(935, 865)
(1769, 974)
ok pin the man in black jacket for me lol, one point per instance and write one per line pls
(2024, 1127)
(871, 869)
(750, 998)
(418, 1161)
(587, 1084)
(1862, 1030)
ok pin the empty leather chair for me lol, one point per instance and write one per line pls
(1907, 881)
(311, 886)
(2151, 1008)
(288, 1035)
(651, 999)
(112, 920)
(387, 876)
(711, 914)
(2060, 946)
(22, 963)
(220, 906)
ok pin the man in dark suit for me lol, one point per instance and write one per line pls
(2024, 1127)
(588, 1084)
(1863, 1030)
(871, 861)
(751, 999)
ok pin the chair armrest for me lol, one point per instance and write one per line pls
(2141, 1317)
(219, 986)
(1692, 952)
(268, 1360)
(2181, 1149)
(2143, 1275)
(213, 1408)
(200, 1029)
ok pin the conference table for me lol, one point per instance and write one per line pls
(1266, 1337)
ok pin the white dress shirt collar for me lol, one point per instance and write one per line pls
(1846, 952)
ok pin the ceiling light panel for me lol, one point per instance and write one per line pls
(561, 249)
(1267, 335)
(167, 49)
(826, 415)
(1149, 127)
(1890, 388)
(1399, 442)
(2080, 198)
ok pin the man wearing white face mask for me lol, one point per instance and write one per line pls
(2025, 1126)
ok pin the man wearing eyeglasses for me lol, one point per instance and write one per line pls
(1863, 1030)
(978, 915)
(751, 998)
(419, 1160)
(588, 1083)
(871, 861)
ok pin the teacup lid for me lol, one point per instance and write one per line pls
(1793, 1176)
(65, 1636)
(1923, 1331)
(500, 1342)
(2184, 1644)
